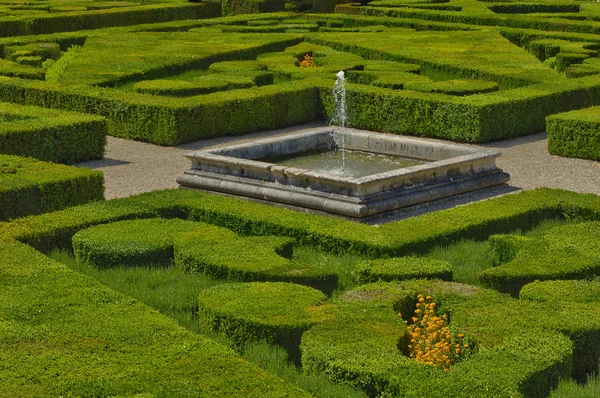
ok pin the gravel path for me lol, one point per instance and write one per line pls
(132, 167)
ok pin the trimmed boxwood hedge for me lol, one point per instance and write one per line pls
(173, 121)
(566, 252)
(64, 334)
(29, 186)
(575, 134)
(415, 235)
(403, 268)
(454, 87)
(130, 242)
(51, 135)
(220, 253)
(275, 312)
(96, 19)
(521, 353)
(476, 220)
(574, 291)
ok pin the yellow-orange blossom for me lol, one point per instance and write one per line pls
(430, 339)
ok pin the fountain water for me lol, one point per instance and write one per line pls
(379, 172)
(339, 96)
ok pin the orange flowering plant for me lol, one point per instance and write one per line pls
(431, 340)
(308, 61)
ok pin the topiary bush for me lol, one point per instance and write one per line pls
(275, 312)
(130, 242)
(222, 254)
(566, 252)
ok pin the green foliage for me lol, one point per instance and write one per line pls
(218, 252)
(72, 20)
(29, 186)
(175, 88)
(403, 268)
(13, 69)
(453, 87)
(275, 312)
(56, 70)
(363, 344)
(566, 252)
(172, 121)
(51, 135)
(275, 360)
(130, 242)
(65, 334)
(575, 133)
(575, 291)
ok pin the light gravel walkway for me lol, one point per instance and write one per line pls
(132, 167)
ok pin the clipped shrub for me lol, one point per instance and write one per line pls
(236, 66)
(276, 312)
(398, 80)
(566, 252)
(222, 254)
(573, 291)
(365, 343)
(564, 60)
(103, 18)
(453, 87)
(130, 243)
(173, 121)
(170, 88)
(29, 186)
(51, 135)
(403, 268)
(575, 134)
(105, 343)
(13, 69)
(391, 66)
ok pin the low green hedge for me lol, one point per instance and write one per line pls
(222, 254)
(275, 312)
(96, 19)
(51, 135)
(403, 268)
(415, 235)
(486, 117)
(64, 334)
(172, 88)
(575, 134)
(29, 186)
(173, 121)
(453, 87)
(566, 252)
(13, 69)
(130, 242)
(573, 291)
(363, 344)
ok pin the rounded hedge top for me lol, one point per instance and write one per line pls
(130, 242)
(577, 291)
(266, 303)
(363, 343)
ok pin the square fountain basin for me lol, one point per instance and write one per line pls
(446, 170)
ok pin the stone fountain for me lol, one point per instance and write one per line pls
(344, 171)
